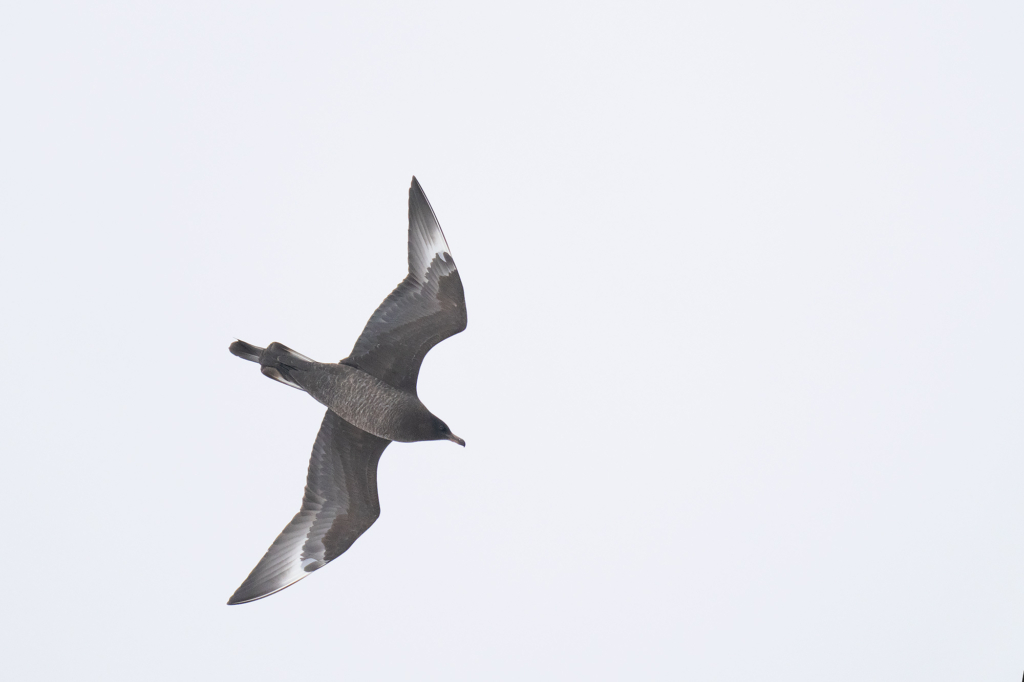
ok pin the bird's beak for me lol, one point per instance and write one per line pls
(455, 439)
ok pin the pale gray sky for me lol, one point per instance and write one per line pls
(743, 381)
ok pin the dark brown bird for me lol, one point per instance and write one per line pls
(371, 400)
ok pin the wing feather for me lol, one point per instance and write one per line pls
(427, 307)
(339, 504)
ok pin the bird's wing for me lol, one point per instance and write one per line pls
(339, 505)
(426, 308)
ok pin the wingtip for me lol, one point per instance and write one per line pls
(239, 598)
(247, 598)
(249, 592)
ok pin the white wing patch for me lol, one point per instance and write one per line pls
(426, 241)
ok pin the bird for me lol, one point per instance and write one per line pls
(371, 399)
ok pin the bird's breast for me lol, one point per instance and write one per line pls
(366, 402)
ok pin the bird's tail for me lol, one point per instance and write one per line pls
(277, 361)
(246, 351)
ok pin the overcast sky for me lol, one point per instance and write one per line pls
(743, 382)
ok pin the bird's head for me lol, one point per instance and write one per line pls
(442, 432)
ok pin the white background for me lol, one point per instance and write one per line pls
(743, 382)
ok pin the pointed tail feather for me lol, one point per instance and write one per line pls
(246, 351)
(277, 361)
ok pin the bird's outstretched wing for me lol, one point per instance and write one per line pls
(426, 308)
(339, 505)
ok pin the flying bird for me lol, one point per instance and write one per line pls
(371, 400)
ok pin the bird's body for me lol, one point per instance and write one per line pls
(359, 398)
(371, 405)
(371, 400)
